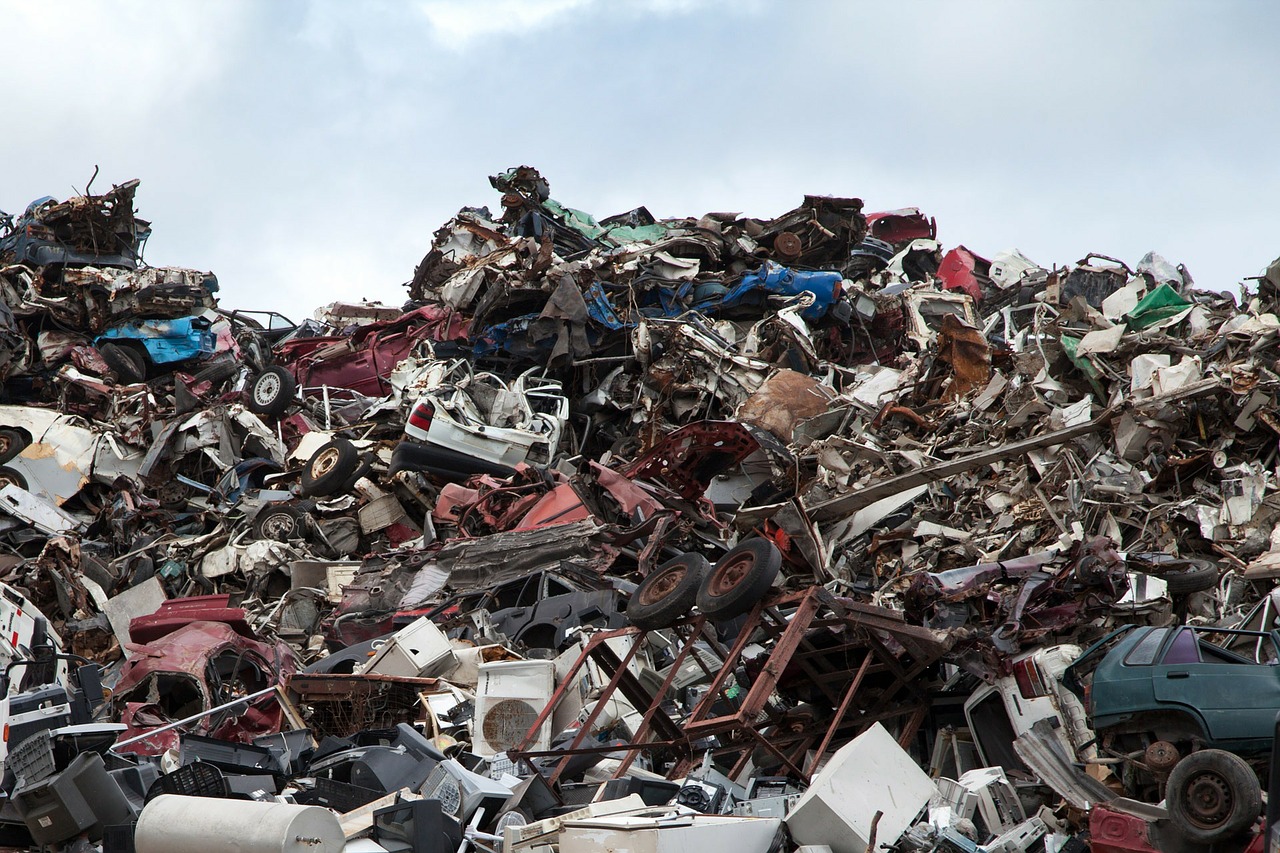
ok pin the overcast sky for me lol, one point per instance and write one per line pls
(305, 152)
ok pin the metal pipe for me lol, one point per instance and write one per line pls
(160, 729)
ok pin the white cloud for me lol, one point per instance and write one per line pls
(459, 23)
(102, 63)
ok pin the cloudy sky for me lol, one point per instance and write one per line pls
(305, 152)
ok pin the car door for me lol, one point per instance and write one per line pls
(1237, 697)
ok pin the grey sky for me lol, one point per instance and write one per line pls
(306, 151)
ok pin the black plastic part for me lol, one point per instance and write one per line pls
(193, 780)
(442, 462)
(654, 792)
(118, 837)
(339, 796)
(232, 757)
(81, 799)
(417, 827)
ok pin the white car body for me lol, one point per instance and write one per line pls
(482, 416)
(63, 456)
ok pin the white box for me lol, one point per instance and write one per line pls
(509, 697)
(870, 773)
(666, 830)
(418, 650)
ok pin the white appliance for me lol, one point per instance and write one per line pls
(509, 697)
(839, 807)
(418, 650)
(670, 829)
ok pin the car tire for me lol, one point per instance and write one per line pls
(280, 523)
(272, 391)
(668, 592)
(364, 470)
(1188, 576)
(740, 579)
(8, 476)
(329, 468)
(1212, 795)
(12, 443)
(130, 366)
(217, 373)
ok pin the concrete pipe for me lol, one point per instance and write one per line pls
(175, 824)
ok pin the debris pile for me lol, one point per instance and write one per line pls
(768, 533)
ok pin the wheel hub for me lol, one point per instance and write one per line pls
(279, 525)
(662, 585)
(1209, 800)
(731, 574)
(325, 462)
(266, 388)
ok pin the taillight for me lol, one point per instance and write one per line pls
(420, 416)
(1030, 682)
(1088, 698)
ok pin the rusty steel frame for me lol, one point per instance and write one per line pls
(864, 629)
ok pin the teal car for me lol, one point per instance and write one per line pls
(1194, 687)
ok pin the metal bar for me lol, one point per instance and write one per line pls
(642, 730)
(243, 700)
(841, 711)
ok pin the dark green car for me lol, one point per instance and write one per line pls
(1193, 686)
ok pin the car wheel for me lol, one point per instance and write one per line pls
(8, 477)
(330, 467)
(130, 366)
(668, 592)
(280, 523)
(217, 373)
(1187, 576)
(1212, 795)
(362, 471)
(740, 579)
(272, 391)
(172, 494)
(12, 443)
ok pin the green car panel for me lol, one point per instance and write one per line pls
(1226, 681)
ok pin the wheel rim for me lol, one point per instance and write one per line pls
(727, 576)
(267, 388)
(172, 491)
(6, 480)
(280, 524)
(664, 583)
(6, 444)
(1209, 800)
(325, 462)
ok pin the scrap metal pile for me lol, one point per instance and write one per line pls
(774, 532)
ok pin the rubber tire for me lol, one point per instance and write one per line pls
(363, 470)
(129, 365)
(1197, 577)
(9, 475)
(268, 523)
(217, 373)
(740, 579)
(12, 443)
(329, 468)
(277, 403)
(668, 593)
(1227, 769)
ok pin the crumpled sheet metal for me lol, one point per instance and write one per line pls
(976, 443)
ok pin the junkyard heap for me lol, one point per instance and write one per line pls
(760, 535)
